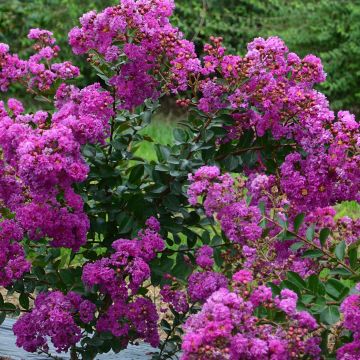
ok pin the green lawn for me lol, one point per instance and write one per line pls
(348, 208)
(161, 132)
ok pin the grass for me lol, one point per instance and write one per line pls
(348, 208)
(160, 131)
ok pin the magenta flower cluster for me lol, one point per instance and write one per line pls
(225, 198)
(13, 263)
(42, 160)
(351, 311)
(120, 276)
(227, 328)
(269, 78)
(176, 299)
(42, 152)
(140, 34)
(238, 220)
(55, 316)
(36, 73)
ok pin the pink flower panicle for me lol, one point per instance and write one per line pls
(43, 160)
(227, 328)
(55, 316)
(350, 308)
(13, 263)
(37, 73)
(120, 276)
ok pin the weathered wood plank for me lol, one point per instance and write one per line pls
(8, 348)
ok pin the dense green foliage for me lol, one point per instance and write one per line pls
(328, 28)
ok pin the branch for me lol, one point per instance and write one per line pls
(260, 147)
(325, 252)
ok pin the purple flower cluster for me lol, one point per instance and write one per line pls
(224, 198)
(202, 284)
(269, 93)
(351, 310)
(55, 316)
(12, 257)
(269, 78)
(86, 112)
(217, 189)
(139, 33)
(324, 169)
(120, 276)
(240, 222)
(42, 160)
(226, 328)
(204, 257)
(349, 229)
(219, 192)
(131, 321)
(36, 73)
(175, 298)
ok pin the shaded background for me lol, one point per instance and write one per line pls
(329, 29)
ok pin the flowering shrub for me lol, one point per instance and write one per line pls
(234, 226)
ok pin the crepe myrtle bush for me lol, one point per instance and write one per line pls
(230, 236)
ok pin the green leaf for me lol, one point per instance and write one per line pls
(24, 301)
(353, 257)
(296, 279)
(290, 285)
(297, 246)
(125, 222)
(181, 269)
(298, 221)
(313, 254)
(261, 206)
(89, 151)
(340, 271)
(307, 299)
(180, 135)
(282, 222)
(219, 260)
(165, 325)
(310, 231)
(340, 250)
(136, 174)
(275, 288)
(335, 289)
(330, 315)
(95, 341)
(9, 307)
(319, 306)
(324, 234)
(162, 152)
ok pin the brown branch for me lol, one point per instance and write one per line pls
(253, 148)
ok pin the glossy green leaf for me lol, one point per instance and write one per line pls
(299, 219)
(340, 250)
(330, 315)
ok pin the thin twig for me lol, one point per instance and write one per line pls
(253, 148)
(324, 251)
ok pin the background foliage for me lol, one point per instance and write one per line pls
(328, 28)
